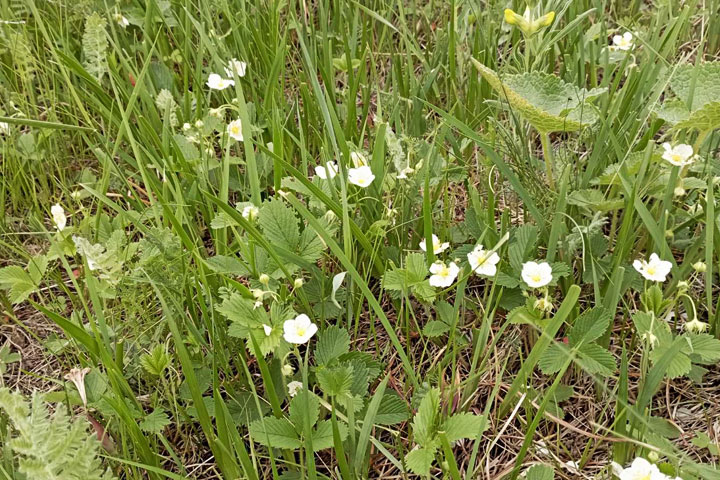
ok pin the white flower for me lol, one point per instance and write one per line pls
(640, 469)
(623, 42)
(696, 326)
(443, 275)
(358, 159)
(122, 21)
(328, 171)
(361, 176)
(216, 82)
(294, 387)
(679, 155)
(655, 270)
(77, 376)
(237, 67)
(483, 262)
(4, 128)
(250, 212)
(58, 216)
(437, 246)
(234, 129)
(403, 175)
(536, 275)
(299, 330)
(268, 329)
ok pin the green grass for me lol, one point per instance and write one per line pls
(539, 143)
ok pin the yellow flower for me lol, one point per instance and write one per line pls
(526, 23)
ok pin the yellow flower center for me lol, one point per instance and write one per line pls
(300, 332)
(536, 278)
(445, 272)
(235, 129)
(650, 271)
(677, 158)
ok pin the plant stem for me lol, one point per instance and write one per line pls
(547, 155)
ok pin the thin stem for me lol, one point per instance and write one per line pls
(547, 155)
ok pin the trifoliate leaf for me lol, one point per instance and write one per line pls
(322, 436)
(279, 224)
(553, 358)
(425, 422)
(589, 326)
(335, 381)
(596, 360)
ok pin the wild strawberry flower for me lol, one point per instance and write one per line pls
(639, 469)
(58, 217)
(4, 128)
(696, 326)
(77, 377)
(403, 174)
(655, 270)
(436, 245)
(234, 129)
(483, 262)
(250, 212)
(121, 20)
(299, 330)
(536, 275)
(328, 171)
(623, 42)
(679, 155)
(216, 82)
(236, 67)
(361, 176)
(443, 275)
(294, 387)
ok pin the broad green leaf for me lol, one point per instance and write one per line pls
(553, 359)
(279, 224)
(546, 101)
(705, 346)
(464, 425)
(322, 436)
(304, 407)
(435, 328)
(333, 342)
(595, 359)
(228, 265)
(540, 472)
(522, 241)
(697, 102)
(594, 200)
(589, 326)
(276, 433)
(155, 422)
(335, 381)
(392, 409)
(17, 281)
(425, 422)
(421, 459)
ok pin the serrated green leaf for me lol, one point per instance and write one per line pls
(335, 381)
(322, 436)
(464, 425)
(596, 360)
(553, 358)
(421, 459)
(540, 472)
(332, 343)
(392, 409)
(279, 224)
(155, 422)
(156, 361)
(425, 422)
(589, 326)
(705, 346)
(275, 432)
(547, 102)
(522, 241)
(225, 264)
(18, 282)
(435, 328)
(304, 408)
(594, 200)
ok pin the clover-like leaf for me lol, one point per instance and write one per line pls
(545, 100)
(697, 98)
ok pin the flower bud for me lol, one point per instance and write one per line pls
(683, 285)
(287, 370)
(700, 267)
(298, 283)
(264, 279)
(653, 457)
